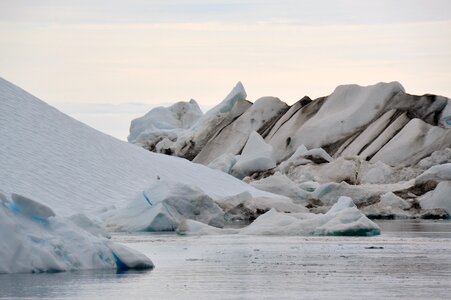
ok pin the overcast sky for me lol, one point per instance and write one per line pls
(105, 62)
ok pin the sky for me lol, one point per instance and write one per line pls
(107, 62)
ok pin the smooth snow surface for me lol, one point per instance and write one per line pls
(73, 168)
(35, 240)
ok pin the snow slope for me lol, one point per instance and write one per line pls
(72, 168)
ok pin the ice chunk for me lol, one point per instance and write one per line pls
(191, 227)
(256, 156)
(87, 224)
(342, 219)
(56, 245)
(439, 198)
(340, 169)
(232, 138)
(438, 157)
(127, 258)
(224, 163)
(193, 141)
(436, 173)
(302, 156)
(244, 207)
(375, 173)
(164, 121)
(389, 206)
(282, 185)
(31, 208)
(163, 206)
(363, 194)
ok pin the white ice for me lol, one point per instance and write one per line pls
(348, 108)
(162, 207)
(232, 138)
(439, 198)
(34, 239)
(164, 122)
(435, 173)
(256, 156)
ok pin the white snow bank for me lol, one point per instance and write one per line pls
(163, 206)
(342, 219)
(256, 156)
(439, 198)
(164, 122)
(35, 240)
(46, 155)
(436, 173)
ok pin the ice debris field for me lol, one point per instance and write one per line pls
(318, 167)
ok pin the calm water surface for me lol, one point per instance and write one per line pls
(410, 260)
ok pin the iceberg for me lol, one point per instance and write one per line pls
(163, 206)
(35, 239)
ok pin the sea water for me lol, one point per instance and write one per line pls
(411, 260)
